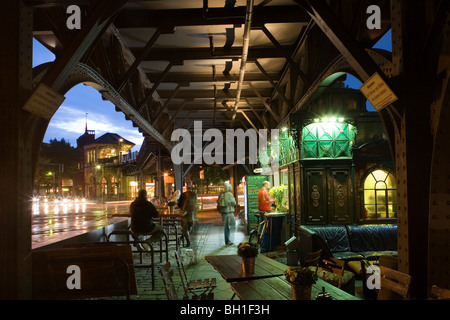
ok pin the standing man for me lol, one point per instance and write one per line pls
(264, 199)
(142, 213)
(226, 205)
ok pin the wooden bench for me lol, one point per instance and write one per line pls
(104, 271)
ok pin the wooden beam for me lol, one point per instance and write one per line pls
(283, 51)
(171, 120)
(274, 85)
(249, 121)
(276, 116)
(176, 77)
(257, 115)
(168, 54)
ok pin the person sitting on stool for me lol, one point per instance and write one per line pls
(142, 213)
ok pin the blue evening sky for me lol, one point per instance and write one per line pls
(70, 120)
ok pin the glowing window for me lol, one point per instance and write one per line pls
(330, 138)
(380, 195)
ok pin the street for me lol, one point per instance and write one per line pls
(56, 221)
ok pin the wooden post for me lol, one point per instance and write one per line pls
(16, 184)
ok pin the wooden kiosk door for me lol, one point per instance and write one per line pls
(328, 196)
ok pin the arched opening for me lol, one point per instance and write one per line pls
(83, 117)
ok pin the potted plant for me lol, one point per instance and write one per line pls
(301, 280)
(248, 252)
(279, 194)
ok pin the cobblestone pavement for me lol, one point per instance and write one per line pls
(208, 239)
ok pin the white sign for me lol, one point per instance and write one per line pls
(67, 183)
(378, 92)
(44, 102)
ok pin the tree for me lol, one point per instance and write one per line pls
(216, 175)
(57, 157)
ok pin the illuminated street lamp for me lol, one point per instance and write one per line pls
(98, 167)
(120, 150)
(50, 173)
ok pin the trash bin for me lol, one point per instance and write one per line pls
(272, 233)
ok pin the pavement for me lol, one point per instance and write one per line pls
(208, 239)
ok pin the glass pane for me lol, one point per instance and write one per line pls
(391, 183)
(381, 211)
(370, 212)
(369, 183)
(381, 197)
(380, 175)
(380, 185)
(392, 197)
(369, 197)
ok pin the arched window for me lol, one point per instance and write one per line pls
(114, 185)
(104, 186)
(380, 195)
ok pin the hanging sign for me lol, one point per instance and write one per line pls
(378, 92)
(44, 102)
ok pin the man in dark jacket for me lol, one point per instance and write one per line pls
(142, 213)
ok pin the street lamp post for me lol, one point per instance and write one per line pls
(53, 174)
(120, 150)
(101, 179)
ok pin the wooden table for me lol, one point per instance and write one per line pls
(277, 288)
(230, 267)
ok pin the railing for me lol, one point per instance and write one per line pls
(128, 157)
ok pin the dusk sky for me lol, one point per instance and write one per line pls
(70, 120)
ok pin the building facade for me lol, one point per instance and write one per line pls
(101, 164)
(336, 162)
